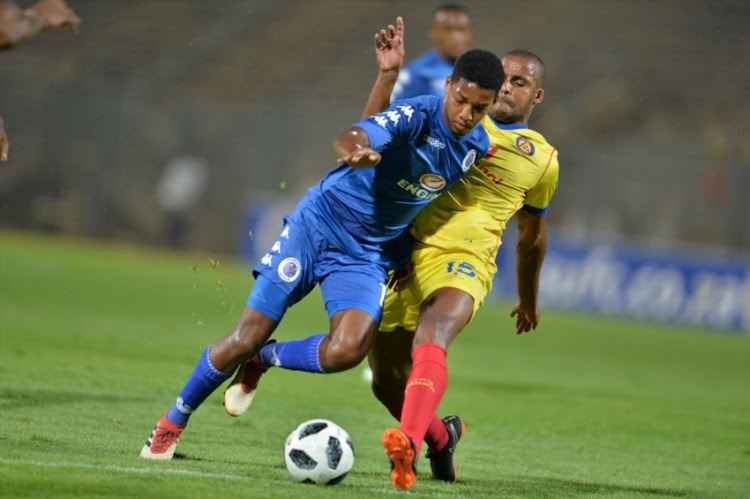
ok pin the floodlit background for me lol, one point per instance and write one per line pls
(646, 101)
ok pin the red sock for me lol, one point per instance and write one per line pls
(424, 390)
(437, 434)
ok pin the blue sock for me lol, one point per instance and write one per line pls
(204, 380)
(297, 355)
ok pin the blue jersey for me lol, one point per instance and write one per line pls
(362, 211)
(423, 76)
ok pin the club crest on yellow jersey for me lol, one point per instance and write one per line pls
(525, 146)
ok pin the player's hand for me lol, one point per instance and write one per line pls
(4, 144)
(56, 13)
(361, 158)
(400, 276)
(527, 318)
(389, 47)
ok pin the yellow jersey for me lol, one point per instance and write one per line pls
(520, 170)
(457, 235)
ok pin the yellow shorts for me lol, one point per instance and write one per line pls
(436, 268)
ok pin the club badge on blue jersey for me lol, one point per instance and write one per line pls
(469, 160)
(289, 269)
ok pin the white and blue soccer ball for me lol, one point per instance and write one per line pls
(319, 451)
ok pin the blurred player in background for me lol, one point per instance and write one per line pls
(456, 240)
(18, 25)
(451, 36)
(346, 235)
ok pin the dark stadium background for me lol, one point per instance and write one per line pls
(646, 102)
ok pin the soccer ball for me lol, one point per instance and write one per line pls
(319, 451)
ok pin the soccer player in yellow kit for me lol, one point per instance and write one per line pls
(456, 239)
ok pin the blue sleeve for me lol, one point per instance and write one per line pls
(392, 127)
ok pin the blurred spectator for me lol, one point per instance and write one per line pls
(178, 191)
(18, 25)
(451, 36)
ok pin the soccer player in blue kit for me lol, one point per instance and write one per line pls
(345, 235)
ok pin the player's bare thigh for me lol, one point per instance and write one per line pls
(444, 314)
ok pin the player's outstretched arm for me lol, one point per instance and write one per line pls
(353, 147)
(18, 26)
(4, 144)
(389, 53)
(530, 251)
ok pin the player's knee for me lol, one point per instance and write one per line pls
(245, 344)
(340, 356)
(248, 336)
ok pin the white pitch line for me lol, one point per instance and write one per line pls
(204, 474)
(107, 467)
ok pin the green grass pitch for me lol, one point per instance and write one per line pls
(97, 340)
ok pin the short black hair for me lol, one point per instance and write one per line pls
(481, 67)
(450, 6)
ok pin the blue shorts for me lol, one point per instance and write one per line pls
(301, 258)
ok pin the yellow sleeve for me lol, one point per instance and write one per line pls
(538, 198)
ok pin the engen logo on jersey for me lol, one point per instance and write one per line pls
(289, 269)
(469, 160)
(525, 146)
(432, 182)
(435, 182)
